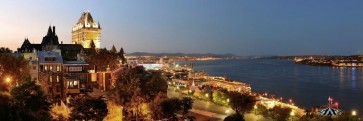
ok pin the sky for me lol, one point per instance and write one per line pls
(241, 27)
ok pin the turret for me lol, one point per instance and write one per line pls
(54, 30)
(49, 31)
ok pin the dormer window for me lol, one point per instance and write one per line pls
(50, 59)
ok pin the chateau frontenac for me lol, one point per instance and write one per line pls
(86, 31)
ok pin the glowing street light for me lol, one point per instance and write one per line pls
(227, 111)
(8, 80)
(292, 114)
(354, 113)
(227, 100)
(207, 95)
(255, 107)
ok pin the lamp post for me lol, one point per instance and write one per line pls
(255, 107)
(7, 79)
(292, 115)
(354, 114)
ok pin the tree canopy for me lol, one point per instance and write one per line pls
(234, 117)
(136, 87)
(281, 113)
(103, 58)
(86, 108)
(169, 107)
(241, 103)
(14, 67)
(29, 102)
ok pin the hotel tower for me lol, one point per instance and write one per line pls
(86, 30)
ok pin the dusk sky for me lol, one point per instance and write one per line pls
(244, 27)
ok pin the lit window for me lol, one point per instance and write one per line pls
(46, 68)
(71, 69)
(58, 68)
(93, 77)
(57, 78)
(51, 68)
(50, 78)
(72, 84)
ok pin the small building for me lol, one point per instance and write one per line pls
(50, 73)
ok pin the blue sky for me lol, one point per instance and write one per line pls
(245, 27)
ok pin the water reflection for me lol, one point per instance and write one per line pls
(341, 79)
(353, 78)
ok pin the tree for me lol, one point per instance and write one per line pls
(262, 110)
(156, 84)
(136, 87)
(241, 103)
(234, 117)
(220, 97)
(5, 50)
(155, 106)
(29, 101)
(281, 113)
(186, 105)
(102, 59)
(87, 108)
(121, 55)
(12, 66)
(113, 49)
(6, 110)
(169, 107)
(60, 112)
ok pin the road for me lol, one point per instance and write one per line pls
(210, 109)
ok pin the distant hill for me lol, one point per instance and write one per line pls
(228, 55)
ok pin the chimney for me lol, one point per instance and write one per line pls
(54, 30)
(61, 42)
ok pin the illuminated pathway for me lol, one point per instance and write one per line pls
(210, 109)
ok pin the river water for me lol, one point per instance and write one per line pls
(306, 85)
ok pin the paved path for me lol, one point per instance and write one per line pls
(210, 109)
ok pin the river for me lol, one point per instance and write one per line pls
(306, 85)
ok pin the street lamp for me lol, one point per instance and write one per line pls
(227, 111)
(207, 95)
(8, 80)
(354, 113)
(255, 107)
(292, 115)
